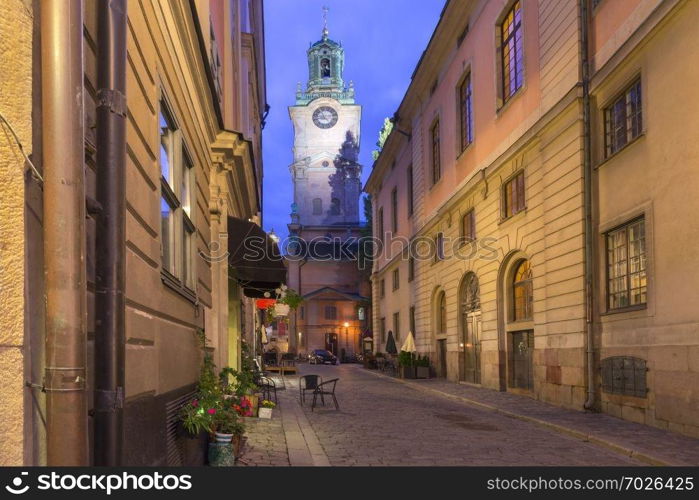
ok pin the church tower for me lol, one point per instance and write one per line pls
(325, 170)
(326, 178)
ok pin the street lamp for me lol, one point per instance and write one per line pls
(346, 325)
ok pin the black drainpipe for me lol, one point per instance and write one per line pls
(110, 241)
(587, 204)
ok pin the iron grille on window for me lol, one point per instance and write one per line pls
(470, 294)
(626, 265)
(436, 166)
(523, 292)
(466, 112)
(623, 119)
(512, 52)
(442, 313)
(624, 375)
(396, 279)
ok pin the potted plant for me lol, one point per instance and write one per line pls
(423, 367)
(225, 425)
(406, 362)
(266, 408)
(287, 299)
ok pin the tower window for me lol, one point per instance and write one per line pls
(325, 68)
(335, 206)
(317, 206)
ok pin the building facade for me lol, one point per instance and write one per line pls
(482, 191)
(325, 214)
(193, 106)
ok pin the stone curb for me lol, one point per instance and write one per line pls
(583, 436)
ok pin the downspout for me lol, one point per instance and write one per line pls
(62, 138)
(110, 239)
(587, 204)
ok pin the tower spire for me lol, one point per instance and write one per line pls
(325, 22)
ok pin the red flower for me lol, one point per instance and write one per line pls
(212, 411)
(195, 403)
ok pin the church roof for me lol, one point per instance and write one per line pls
(328, 289)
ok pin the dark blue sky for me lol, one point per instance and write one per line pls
(383, 40)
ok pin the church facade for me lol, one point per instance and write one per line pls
(325, 224)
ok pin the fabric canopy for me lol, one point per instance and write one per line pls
(409, 344)
(254, 258)
(391, 344)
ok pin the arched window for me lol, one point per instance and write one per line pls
(522, 292)
(335, 206)
(317, 206)
(325, 68)
(442, 313)
(470, 294)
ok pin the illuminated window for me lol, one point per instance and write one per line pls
(623, 120)
(442, 313)
(177, 183)
(514, 200)
(626, 266)
(512, 52)
(523, 292)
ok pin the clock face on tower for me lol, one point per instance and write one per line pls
(325, 117)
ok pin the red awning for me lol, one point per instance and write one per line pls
(265, 303)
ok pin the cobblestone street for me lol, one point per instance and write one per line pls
(383, 421)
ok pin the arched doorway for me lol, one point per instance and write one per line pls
(470, 341)
(440, 309)
(520, 332)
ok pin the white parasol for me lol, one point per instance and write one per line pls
(409, 344)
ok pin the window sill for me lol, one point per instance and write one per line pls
(619, 151)
(174, 284)
(627, 309)
(504, 220)
(501, 110)
(464, 151)
(436, 183)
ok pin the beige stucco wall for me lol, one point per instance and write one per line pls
(657, 176)
(15, 106)
(527, 134)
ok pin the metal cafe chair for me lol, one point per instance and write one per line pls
(308, 383)
(268, 388)
(325, 389)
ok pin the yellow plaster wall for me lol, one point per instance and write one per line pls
(15, 106)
